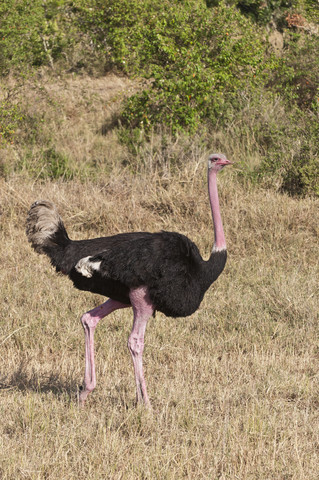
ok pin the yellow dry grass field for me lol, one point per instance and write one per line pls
(234, 387)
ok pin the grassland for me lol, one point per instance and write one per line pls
(234, 387)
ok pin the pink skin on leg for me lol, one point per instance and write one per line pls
(143, 309)
(89, 321)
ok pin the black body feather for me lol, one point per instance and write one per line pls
(168, 263)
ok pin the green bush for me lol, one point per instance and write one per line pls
(34, 33)
(195, 59)
(273, 11)
(263, 11)
(289, 151)
(297, 78)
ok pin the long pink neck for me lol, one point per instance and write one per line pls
(219, 243)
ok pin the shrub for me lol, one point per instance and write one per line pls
(195, 59)
(272, 11)
(34, 33)
(289, 149)
(298, 75)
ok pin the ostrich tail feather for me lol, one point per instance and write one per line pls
(44, 227)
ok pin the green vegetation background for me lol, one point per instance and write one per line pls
(200, 66)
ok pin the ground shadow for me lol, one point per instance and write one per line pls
(110, 123)
(25, 380)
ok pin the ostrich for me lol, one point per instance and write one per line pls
(161, 271)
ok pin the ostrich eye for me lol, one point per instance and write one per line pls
(214, 159)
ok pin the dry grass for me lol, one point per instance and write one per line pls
(70, 114)
(234, 387)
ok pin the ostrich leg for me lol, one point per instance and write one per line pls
(89, 321)
(142, 309)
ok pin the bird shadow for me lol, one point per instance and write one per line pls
(24, 380)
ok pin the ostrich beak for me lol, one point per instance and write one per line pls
(224, 162)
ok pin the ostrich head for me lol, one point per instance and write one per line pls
(217, 161)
